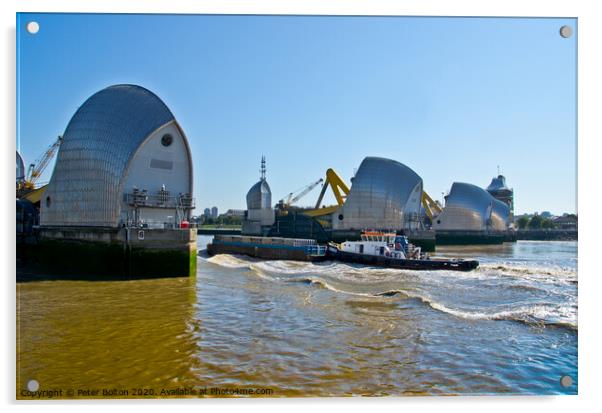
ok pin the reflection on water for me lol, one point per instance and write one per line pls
(314, 329)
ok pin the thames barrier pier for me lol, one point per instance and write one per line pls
(120, 197)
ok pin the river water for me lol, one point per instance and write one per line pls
(302, 329)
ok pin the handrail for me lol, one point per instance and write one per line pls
(161, 199)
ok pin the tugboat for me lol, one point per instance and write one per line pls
(390, 250)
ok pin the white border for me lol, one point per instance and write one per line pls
(589, 160)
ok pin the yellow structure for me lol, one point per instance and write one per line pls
(36, 169)
(431, 207)
(35, 195)
(339, 189)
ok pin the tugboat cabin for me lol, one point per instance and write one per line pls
(382, 244)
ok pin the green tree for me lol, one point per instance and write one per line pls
(523, 222)
(535, 222)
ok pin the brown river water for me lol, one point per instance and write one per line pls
(284, 328)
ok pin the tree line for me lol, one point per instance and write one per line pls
(222, 220)
(536, 222)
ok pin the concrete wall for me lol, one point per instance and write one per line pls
(118, 251)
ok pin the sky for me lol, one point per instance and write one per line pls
(452, 98)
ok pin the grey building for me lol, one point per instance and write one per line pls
(260, 214)
(385, 194)
(235, 213)
(121, 190)
(20, 174)
(500, 191)
(124, 160)
(471, 208)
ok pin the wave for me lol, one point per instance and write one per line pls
(361, 273)
(340, 278)
(229, 260)
(548, 275)
(536, 314)
(530, 269)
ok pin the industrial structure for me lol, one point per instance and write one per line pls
(124, 161)
(29, 192)
(20, 173)
(471, 215)
(500, 191)
(260, 214)
(121, 189)
(28, 181)
(385, 194)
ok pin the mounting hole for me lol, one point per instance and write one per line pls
(341, 217)
(566, 31)
(33, 385)
(32, 27)
(566, 381)
(166, 140)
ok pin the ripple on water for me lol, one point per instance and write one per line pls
(314, 329)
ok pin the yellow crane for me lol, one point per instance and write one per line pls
(431, 207)
(292, 198)
(36, 169)
(339, 189)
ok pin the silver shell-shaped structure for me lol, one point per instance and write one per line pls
(385, 194)
(498, 184)
(471, 208)
(259, 196)
(101, 139)
(20, 174)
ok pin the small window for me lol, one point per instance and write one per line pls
(166, 140)
(160, 164)
(48, 202)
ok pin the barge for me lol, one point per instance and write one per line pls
(390, 250)
(268, 248)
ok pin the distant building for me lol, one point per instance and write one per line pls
(260, 215)
(567, 221)
(207, 213)
(546, 214)
(214, 212)
(235, 213)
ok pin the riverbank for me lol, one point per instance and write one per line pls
(546, 235)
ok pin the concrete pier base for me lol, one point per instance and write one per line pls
(121, 252)
(470, 237)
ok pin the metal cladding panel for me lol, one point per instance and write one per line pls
(385, 194)
(259, 196)
(471, 208)
(500, 215)
(497, 184)
(100, 140)
(20, 175)
(498, 187)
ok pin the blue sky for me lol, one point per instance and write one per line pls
(452, 98)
